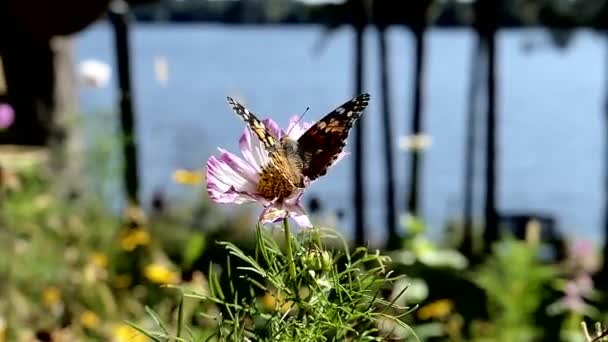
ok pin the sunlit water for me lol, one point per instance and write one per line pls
(550, 106)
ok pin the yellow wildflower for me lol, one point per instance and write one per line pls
(89, 319)
(160, 274)
(99, 259)
(51, 296)
(188, 177)
(437, 309)
(126, 333)
(134, 238)
(272, 300)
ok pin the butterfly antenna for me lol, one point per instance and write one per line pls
(299, 119)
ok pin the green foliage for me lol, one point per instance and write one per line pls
(70, 268)
(326, 296)
(514, 281)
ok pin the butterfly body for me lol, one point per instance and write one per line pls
(295, 161)
(303, 160)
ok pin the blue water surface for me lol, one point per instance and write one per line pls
(551, 119)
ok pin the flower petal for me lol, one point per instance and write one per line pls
(226, 185)
(228, 196)
(294, 198)
(7, 115)
(222, 169)
(237, 164)
(272, 214)
(253, 151)
(273, 127)
(297, 213)
(296, 127)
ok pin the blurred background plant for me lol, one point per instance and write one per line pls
(93, 231)
(73, 269)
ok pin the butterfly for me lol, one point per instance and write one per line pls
(307, 158)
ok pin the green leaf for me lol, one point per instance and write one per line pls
(144, 332)
(180, 316)
(194, 248)
(156, 319)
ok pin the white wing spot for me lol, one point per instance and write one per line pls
(340, 110)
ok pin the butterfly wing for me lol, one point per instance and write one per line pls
(255, 125)
(272, 146)
(321, 144)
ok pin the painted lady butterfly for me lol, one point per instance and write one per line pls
(308, 158)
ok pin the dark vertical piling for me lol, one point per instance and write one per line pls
(413, 199)
(387, 127)
(603, 274)
(118, 14)
(486, 25)
(466, 246)
(359, 21)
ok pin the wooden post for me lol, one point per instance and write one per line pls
(602, 276)
(413, 199)
(359, 22)
(466, 245)
(65, 140)
(393, 241)
(119, 10)
(486, 25)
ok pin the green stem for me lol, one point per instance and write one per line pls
(292, 266)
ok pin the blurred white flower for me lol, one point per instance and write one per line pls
(94, 73)
(416, 291)
(161, 70)
(417, 142)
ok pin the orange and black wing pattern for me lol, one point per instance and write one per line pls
(321, 144)
(271, 144)
(254, 124)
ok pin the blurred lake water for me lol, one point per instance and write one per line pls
(550, 110)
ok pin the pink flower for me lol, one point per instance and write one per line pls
(584, 255)
(232, 179)
(575, 292)
(7, 115)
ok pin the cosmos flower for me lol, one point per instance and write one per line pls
(584, 255)
(7, 115)
(232, 179)
(576, 290)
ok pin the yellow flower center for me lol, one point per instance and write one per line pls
(273, 184)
